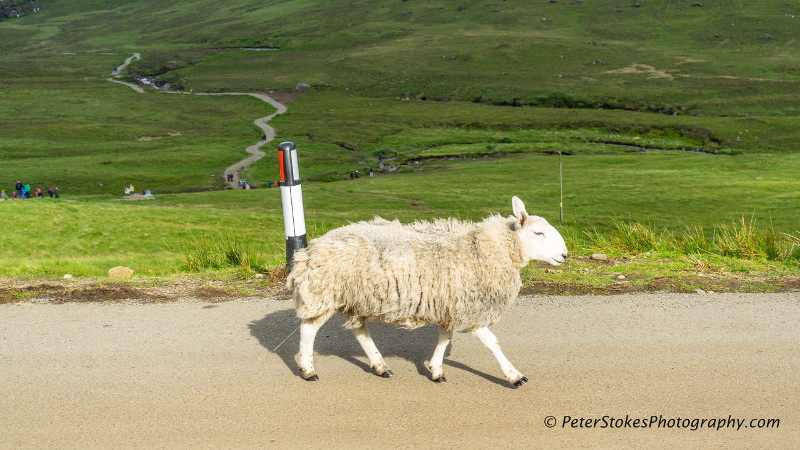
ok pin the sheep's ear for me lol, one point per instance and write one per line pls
(519, 210)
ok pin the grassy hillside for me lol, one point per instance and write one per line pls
(668, 55)
(476, 99)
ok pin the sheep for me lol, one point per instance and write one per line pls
(458, 275)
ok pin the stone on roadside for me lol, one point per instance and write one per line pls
(620, 277)
(699, 291)
(120, 271)
(67, 276)
(599, 256)
(302, 87)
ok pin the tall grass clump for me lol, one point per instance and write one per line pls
(693, 241)
(227, 251)
(745, 240)
(793, 253)
(635, 237)
(741, 239)
(631, 237)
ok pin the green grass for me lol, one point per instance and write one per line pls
(627, 199)
(477, 99)
(95, 137)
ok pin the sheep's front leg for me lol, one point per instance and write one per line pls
(437, 371)
(490, 341)
(375, 359)
(308, 331)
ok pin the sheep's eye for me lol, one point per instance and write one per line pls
(538, 233)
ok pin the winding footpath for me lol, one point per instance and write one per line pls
(254, 151)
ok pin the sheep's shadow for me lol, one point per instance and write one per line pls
(279, 333)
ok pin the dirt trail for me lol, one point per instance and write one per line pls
(238, 168)
(254, 150)
(118, 73)
(192, 373)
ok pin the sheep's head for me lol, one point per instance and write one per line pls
(540, 241)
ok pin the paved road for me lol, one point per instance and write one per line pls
(193, 374)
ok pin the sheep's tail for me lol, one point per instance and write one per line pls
(299, 270)
(306, 305)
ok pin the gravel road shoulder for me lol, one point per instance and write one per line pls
(193, 372)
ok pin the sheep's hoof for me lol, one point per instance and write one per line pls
(312, 378)
(521, 381)
(441, 379)
(386, 373)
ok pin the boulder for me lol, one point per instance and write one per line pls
(120, 271)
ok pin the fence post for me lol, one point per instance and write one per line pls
(294, 221)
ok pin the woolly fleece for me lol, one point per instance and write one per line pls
(460, 275)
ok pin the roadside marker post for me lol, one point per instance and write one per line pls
(294, 220)
(560, 188)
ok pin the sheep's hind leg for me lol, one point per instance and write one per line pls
(490, 341)
(308, 331)
(437, 372)
(375, 359)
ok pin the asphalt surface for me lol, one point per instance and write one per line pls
(195, 374)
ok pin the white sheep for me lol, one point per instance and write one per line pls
(458, 275)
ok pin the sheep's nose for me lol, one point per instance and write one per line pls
(564, 255)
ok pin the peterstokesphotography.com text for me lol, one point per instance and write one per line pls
(661, 422)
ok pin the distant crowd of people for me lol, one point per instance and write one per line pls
(243, 184)
(130, 191)
(23, 190)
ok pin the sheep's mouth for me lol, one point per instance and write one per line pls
(557, 261)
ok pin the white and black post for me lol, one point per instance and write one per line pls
(294, 220)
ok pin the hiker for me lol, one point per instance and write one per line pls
(27, 190)
(264, 137)
(2, 195)
(39, 193)
(55, 191)
(18, 186)
(50, 192)
(147, 192)
(371, 173)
